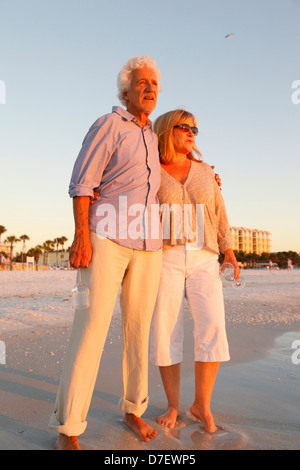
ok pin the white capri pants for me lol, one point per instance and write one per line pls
(193, 274)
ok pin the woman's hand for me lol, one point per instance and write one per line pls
(217, 178)
(230, 258)
(96, 196)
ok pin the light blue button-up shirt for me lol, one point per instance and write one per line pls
(120, 161)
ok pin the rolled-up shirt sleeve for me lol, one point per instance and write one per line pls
(95, 153)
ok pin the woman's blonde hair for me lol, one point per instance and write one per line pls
(163, 127)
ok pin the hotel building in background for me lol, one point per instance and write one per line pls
(251, 240)
(5, 248)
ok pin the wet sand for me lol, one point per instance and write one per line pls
(256, 397)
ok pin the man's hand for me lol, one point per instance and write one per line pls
(81, 250)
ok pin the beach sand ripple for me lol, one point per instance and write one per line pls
(256, 396)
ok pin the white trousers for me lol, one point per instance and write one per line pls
(193, 274)
(111, 266)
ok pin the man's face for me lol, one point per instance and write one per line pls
(142, 95)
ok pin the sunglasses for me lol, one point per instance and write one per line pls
(186, 128)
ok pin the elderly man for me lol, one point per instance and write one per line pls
(119, 159)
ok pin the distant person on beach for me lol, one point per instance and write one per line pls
(289, 264)
(119, 158)
(190, 267)
(271, 265)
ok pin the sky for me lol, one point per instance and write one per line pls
(59, 62)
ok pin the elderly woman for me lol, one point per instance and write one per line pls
(195, 228)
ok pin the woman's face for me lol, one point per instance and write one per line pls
(183, 139)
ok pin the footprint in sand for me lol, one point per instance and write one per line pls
(189, 433)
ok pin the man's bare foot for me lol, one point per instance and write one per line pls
(67, 442)
(169, 418)
(139, 427)
(206, 417)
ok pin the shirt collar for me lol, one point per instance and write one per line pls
(128, 116)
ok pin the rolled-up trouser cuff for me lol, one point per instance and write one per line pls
(223, 356)
(71, 429)
(133, 408)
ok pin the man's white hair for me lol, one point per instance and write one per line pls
(124, 77)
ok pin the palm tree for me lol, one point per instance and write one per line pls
(56, 242)
(47, 247)
(2, 230)
(61, 241)
(36, 252)
(11, 239)
(23, 238)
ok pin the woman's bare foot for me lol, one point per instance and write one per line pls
(169, 418)
(206, 417)
(139, 427)
(67, 442)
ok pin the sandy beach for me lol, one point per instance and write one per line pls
(257, 393)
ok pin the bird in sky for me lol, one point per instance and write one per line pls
(229, 35)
